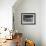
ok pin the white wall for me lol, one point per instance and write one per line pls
(43, 22)
(30, 31)
(6, 13)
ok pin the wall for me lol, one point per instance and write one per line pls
(6, 13)
(43, 22)
(29, 31)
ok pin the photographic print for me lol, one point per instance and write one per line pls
(28, 18)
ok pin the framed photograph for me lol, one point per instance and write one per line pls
(28, 18)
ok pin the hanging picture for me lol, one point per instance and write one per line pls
(28, 18)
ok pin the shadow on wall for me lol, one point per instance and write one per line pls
(17, 23)
(17, 4)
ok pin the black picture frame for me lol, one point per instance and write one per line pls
(28, 18)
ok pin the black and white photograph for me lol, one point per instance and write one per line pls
(28, 18)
